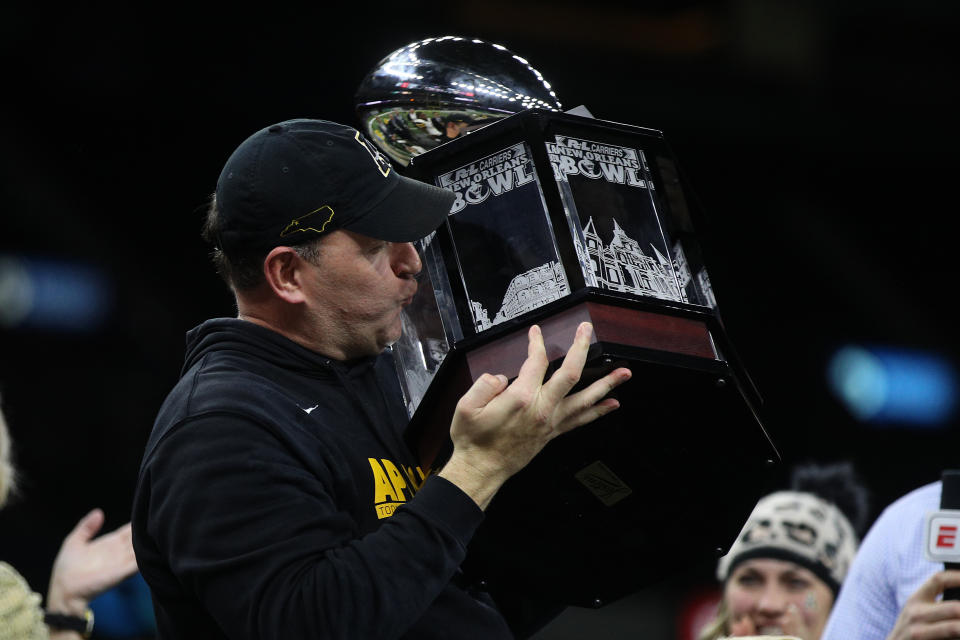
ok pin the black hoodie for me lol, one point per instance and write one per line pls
(276, 499)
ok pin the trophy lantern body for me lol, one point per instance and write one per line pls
(560, 219)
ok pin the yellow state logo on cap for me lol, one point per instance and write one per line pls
(297, 226)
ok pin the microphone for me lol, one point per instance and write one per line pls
(950, 499)
(943, 528)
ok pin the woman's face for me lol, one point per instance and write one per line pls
(769, 597)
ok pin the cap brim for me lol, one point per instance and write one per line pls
(410, 211)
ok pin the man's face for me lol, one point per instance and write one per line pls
(357, 290)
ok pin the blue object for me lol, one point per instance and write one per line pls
(125, 611)
(894, 385)
(51, 294)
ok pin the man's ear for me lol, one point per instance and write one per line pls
(283, 269)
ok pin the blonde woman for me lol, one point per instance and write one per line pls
(783, 572)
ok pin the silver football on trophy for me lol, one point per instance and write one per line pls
(431, 91)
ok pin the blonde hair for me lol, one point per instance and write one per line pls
(719, 626)
(7, 474)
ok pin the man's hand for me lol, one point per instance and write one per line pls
(85, 567)
(925, 618)
(497, 429)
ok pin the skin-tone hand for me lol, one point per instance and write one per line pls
(498, 428)
(85, 566)
(925, 618)
(791, 623)
(743, 627)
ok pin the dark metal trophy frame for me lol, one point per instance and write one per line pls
(668, 479)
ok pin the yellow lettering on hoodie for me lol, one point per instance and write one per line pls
(382, 488)
(416, 477)
(399, 484)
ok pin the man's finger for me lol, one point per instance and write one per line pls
(931, 612)
(588, 415)
(486, 388)
(946, 630)
(591, 403)
(935, 585)
(567, 376)
(534, 367)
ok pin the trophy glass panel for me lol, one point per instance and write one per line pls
(611, 208)
(502, 237)
(426, 324)
(687, 256)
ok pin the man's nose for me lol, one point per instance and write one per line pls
(406, 261)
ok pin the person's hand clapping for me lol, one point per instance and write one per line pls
(85, 567)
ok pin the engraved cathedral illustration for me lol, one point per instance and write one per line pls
(623, 266)
(620, 265)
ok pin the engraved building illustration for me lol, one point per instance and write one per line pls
(527, 291)
(623, 266)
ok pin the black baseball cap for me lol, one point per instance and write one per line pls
(294, 180)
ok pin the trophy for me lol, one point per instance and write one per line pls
(558, 219)
(437, 89)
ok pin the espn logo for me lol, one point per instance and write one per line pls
(943, 536)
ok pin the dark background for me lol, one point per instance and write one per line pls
(819, 136)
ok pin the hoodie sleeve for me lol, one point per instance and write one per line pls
(266, 550)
